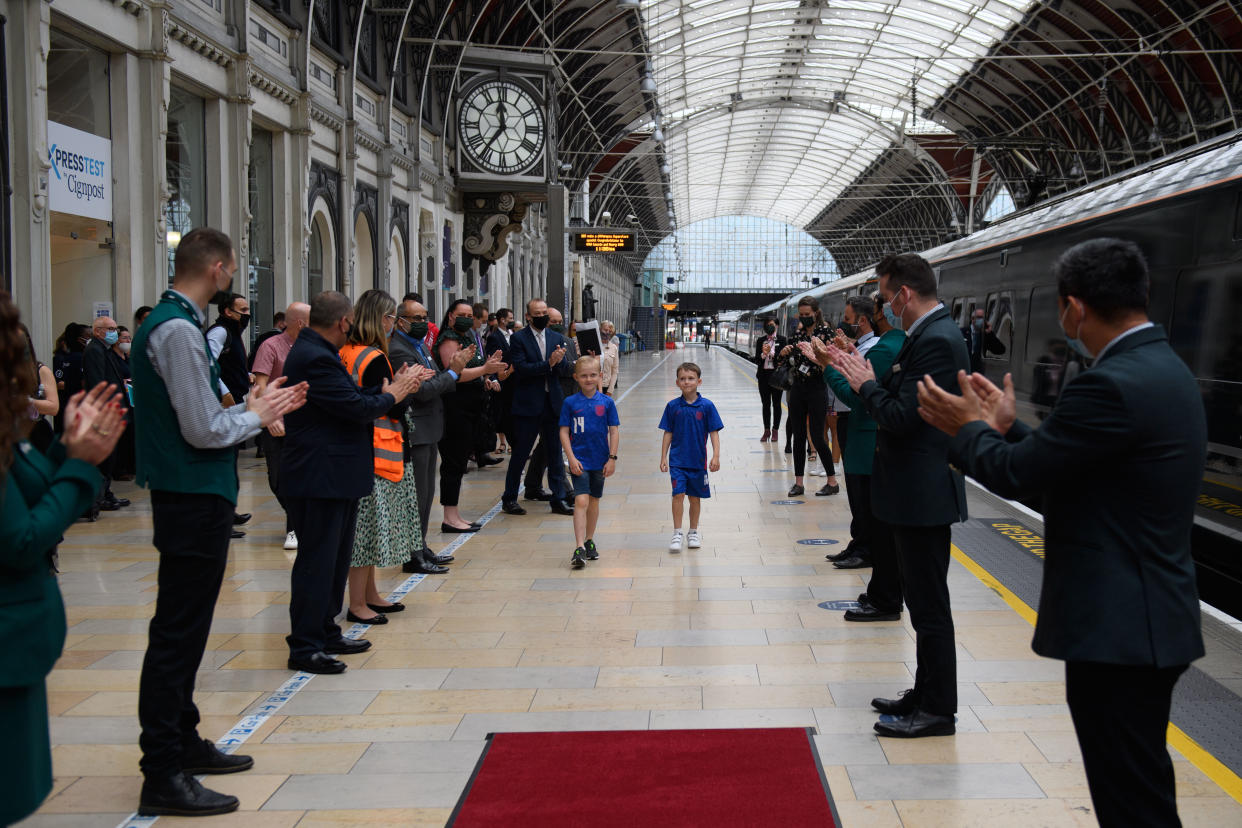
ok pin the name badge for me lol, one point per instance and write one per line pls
(805, 369)
(896, 367)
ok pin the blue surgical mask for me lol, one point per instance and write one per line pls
(892, 318)
(1075, 344)
(111, 337)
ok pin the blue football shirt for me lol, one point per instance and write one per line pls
(690, 423)
(588, 419)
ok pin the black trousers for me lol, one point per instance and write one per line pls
(858, 490)
(461, 425)
(770, 399)
(525, 431)
(1121, 716)
(325, 530)
(423, 459)
(923, 558)
(191, 533)
(809, 399)
(272, 447)
(884, 588)
(535, 468)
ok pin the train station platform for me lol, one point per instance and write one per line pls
(745, 632)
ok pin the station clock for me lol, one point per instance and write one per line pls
(501, 127)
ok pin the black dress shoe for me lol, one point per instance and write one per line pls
(917, 725)
(444, 527)
(796, 490)
(853, 562)
(381, 608)
(559, 508)
(374, 621)
(424, 568)
(347, 646)
(537, 495)
(828, 489)
(434, 558)
(241, 520)
(205, 757)
(866, 612)
(182, 795)
(118, 502)
(319, 663)
(487, 460)
(903, 705)
(512, 508)
(237, 533)
(851, 550)
(109, 505)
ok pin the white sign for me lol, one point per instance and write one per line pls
(103, 309)
(80, 182)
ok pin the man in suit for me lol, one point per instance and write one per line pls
(980, 340)
(326, 468)
(101, 363)
(536, 352)
(880, 343)
(767, 347)
(425, 416)
(1119, 478)
(912, 487)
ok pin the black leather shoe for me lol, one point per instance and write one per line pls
(241, 520)
(828, 489)
(374, 622)
(917, 725)
(853, 562)
(347, 646)
(903, 705)
(205, 757)
(381, 608)
(424, 568)
(237, 533)
(428, 555)
(487, 460)
(319, 663)
(182, 795)
(866, 612)
(117, 502)
(109, 505)
(512, 508)
(451, 530)
(795, 490)
(541, 494)
(850, 551)
(559, 508)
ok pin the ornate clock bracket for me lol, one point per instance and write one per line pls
(490, 219)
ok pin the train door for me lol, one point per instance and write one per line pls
(998, 318)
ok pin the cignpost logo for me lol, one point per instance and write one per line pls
(69, 167)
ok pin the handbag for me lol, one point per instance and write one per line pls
(782, 378)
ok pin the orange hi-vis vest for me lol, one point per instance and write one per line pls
(386, 436)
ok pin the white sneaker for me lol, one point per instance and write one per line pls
(694, 540)
(675, 544)
(291, 541)
(816, 472)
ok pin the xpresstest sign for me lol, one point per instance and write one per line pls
(80, 181)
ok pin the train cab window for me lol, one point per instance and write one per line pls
(999, 317)
(1205, 333)
(1047, 354)
(958, 305)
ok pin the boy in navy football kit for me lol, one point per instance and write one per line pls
(589, 436)
(688, 422)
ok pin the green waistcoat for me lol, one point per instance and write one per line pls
(166, 462)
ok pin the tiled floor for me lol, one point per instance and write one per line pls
(724, 636)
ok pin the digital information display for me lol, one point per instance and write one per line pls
(603, 241)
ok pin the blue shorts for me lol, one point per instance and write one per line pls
(691, 482)
(591, 482)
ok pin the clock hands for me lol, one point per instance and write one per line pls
(500, 130)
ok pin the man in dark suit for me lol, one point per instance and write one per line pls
(326, 468)
(536, 352)
(101, 363)
(912, 487)
(980, 340)
(426, 417)
(767, 347)
(1119, 478)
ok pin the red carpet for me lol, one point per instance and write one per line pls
(631, 778)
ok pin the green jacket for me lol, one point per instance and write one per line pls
(43, 496)
(859, 451)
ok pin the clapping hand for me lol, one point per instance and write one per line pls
(404, 383)
(840, 341)
(556, 356)
(495, 363)
(457, 362)
(816, 351)
(94, 421)
(275, 401)
(853, 367)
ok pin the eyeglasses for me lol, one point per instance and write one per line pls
(420, 318)
(390, 316)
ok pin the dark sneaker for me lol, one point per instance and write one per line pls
(577, 561)
(589, 550)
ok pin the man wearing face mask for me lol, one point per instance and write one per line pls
(980, 341)
(767, 347)
(101, 363)
(1119, 602)
(913, 489)
(226, 339)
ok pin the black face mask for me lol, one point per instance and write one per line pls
(462, 324)
(509, 325)
(770, 328)
(539, 322)
(244, 321)
(558, 327)
(418, 330)
(850, 330)
(807, 321)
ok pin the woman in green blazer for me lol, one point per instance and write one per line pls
(42, 494)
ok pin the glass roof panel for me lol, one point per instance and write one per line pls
(772, 107)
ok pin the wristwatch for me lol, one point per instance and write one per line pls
(612, 457)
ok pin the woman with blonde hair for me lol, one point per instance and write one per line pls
(388, 529)
(610, 359)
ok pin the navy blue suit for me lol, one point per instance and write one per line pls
(327, 465)
(535, 409)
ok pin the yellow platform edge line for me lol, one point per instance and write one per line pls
(1213, 768)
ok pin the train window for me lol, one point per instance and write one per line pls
(1237, 218)
(1046, 349)
(999, 317)
(1204, 331)
(957, 312)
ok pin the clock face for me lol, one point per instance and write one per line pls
(500, 127)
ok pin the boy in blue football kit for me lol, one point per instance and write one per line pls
(589, 436)
(687, 423)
